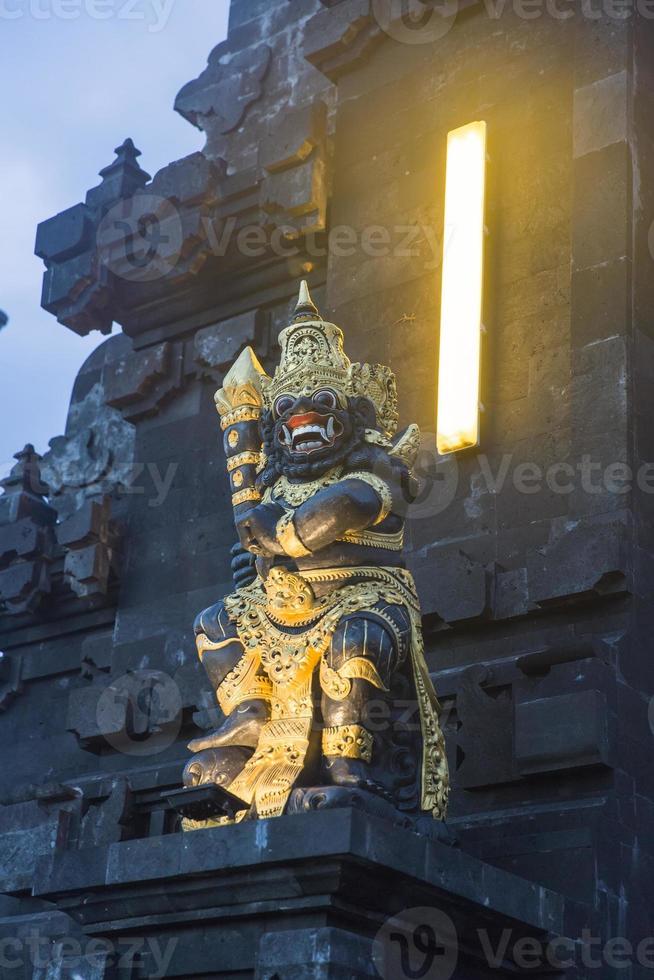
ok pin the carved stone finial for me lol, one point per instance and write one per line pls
(305, 306)
(4, 319)
(26, 474)
(126, 162)
(121, 178)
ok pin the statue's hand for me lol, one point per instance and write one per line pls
(257, 529)
(244, 571)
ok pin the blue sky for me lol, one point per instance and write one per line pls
(74, 86)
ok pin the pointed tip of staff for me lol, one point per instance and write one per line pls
(305, 306)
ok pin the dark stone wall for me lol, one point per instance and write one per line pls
(535, 599)
(537, 604)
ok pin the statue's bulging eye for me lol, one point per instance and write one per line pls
(326, 398)
(283, 404)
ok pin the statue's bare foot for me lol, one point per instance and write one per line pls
(243, 727)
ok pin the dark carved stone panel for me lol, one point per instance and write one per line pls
(220, 98)
(90, 539)
(217, 346)
(26, 536)
(505, 724)
(139, 384)
(341, 38)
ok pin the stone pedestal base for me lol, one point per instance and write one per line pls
(334, 895)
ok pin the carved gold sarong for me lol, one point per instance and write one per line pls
(286, 632)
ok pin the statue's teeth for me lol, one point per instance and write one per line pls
(330, 427)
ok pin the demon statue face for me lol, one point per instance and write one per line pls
(321, 410)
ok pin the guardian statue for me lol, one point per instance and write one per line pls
(317, 662)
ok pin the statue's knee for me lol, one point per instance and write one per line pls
(369, 637)
(214, 623)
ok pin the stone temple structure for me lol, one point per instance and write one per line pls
(326, 125)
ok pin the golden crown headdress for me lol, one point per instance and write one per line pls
(313, 357)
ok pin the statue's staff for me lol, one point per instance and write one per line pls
(240, 404)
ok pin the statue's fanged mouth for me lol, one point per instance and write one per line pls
(310, 432)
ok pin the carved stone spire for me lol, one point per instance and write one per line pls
(26, 535)
(121, 178)
(25, 476)
(305, 308)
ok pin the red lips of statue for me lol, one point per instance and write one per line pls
(310, 432)
(309, 418)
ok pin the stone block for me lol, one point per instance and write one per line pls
(563, 732)
(335, 35)
(133, 377)
(189, 180)
(64, 235)
(22, 586)
(27, 831)
(90, 540)
(582, 557)
(600, 115)
(24, 539)
(64, 280)
(246, 10)
(484, 737)
(297, 191)
(87, 569)
(101, 965)
(511, 593)
(600, 302)
(451, 584)
(334, 954)
(600, 222)
(86, 722)
(105, 822)
(140, 382)
(89, 524)
(217, 346)
(11, 669)
(294, 138)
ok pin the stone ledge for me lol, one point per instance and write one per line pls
(260, 896)
(289, 842)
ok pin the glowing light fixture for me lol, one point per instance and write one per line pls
(462, 287)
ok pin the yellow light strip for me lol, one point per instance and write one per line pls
(462, 288)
